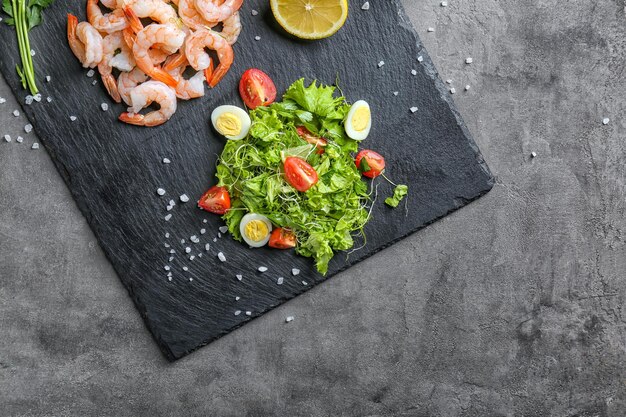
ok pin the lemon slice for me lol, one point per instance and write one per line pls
(310, 19)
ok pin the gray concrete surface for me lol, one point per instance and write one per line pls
(513, 306)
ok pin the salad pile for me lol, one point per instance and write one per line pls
(293, 181)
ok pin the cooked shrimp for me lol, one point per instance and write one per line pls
(231, 28)
(109, 4)
(129, 80)
(156, 55)
(156, 10)
(123, 60)
(145, 94)
(109, 22)
(168, 38)
(85, 42)
(213, 11)
(186, 89)
(199, 59)
(190, 16)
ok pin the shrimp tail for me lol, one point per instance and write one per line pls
(72, 22)
(208, 73)
(161, 75)
(133, 20)
(129, 37)
(132, 118)
(175, 61)
(217, 75)
(111, 86)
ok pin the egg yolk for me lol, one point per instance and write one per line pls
(256, 230)
(361, 118)
(228, 124)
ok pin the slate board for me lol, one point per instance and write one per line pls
(113, 169)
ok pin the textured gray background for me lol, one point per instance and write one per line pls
(512, 306)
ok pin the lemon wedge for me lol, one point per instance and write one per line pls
(310, 19)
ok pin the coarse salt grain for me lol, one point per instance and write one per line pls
(28, 99)
(431, 29)
(166, 161)
(413, 72)
(167, 267)
(380, 64)
(184, 198)
(289, 319)
(28, 128)
(420, 59)
(395, 93)
(248, 313)
(171, 258)
(200, 255)
(167, 235)
(280, 280)
(187, 249)
(219, 235)
(160, 191)
(533, 154)
(468, 60)
(223, 229)
(3, 100)
(366, 6)
(452, 90)
(202, 231)
(94, 82)
(73, 118)
(221, 257)
(237, 298)
(257, 38)
(239, 277)
(35, 146)
(32, 52)
(19, 139)
(254, 12)
(16, 113)
(49, 99)
(172, 251)
(305, 283)
(192, 257)
(169, 208)
(205, 221)
(295, 271)
(262, 269)
(467, 87)
(169, 278)
(168, 217)
(90, 73)
(444, 4)
(104, 106)
(214, 239)
(238, 312)
(37, 97)
(7, 138)
(194, 239)
(48, 78)
(413, 109)
(606, 121)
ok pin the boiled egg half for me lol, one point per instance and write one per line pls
(359, 120)
(231, 121)
(255, 229)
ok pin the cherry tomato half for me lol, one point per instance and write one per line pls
(282, 239)
(216, 200)
(309, 137)
(374, 160)
(299, 173)
(256, 88)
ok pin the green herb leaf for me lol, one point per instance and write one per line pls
(398, 194)
(364, 166)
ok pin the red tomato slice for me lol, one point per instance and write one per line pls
(374, 160)
(282, 239)
(256, 88)
(299, 173)
(216, 200)
(309, 137)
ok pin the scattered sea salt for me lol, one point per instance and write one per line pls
(16, 113)
(7, 138)
(254, 12)
(257, 38)
(28, 128)
(190, 279)
(49, 99)
(413, 109)
(295, 271)
(37, 97)
(182, 241)
(35, 146)
(32, 52)
(205, 221)
(167, 245)
(185, 268)
(395, 93)
(305, 283)
(239, 277)
(192, 257)
(221, 257)
(184, 198)
(289, 319)
(166, 161)
(202, 231)
(431, 29)
(19, 139)
(262, 269)
(169, 208)
(380, 64)
(413, 72)
(237, 298)
(104, 106)
(94, 82)
(467, 87)
(187, 249)
(90, 73)
(214, 239)
(468, 60)
(167, 235)
(366, 6)
(171, 258)
(533, 154)
(280, 280)
(169, 278)
(160, 191)
(223, 229)
(606, 121)
(3, 100)
(194, 239)
(238, 312)
(167, 267)
(200, 255)
(28, 100)
(48, 78)
(207, 247)
(444, 4)
(452, 90)
(248, 313)
(420, 59)
(168, 217)
(172, 251)
(172, 203)
(219, 235)
(73, 118)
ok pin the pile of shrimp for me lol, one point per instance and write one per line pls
(152, 59)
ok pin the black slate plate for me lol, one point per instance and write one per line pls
(113, 169)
